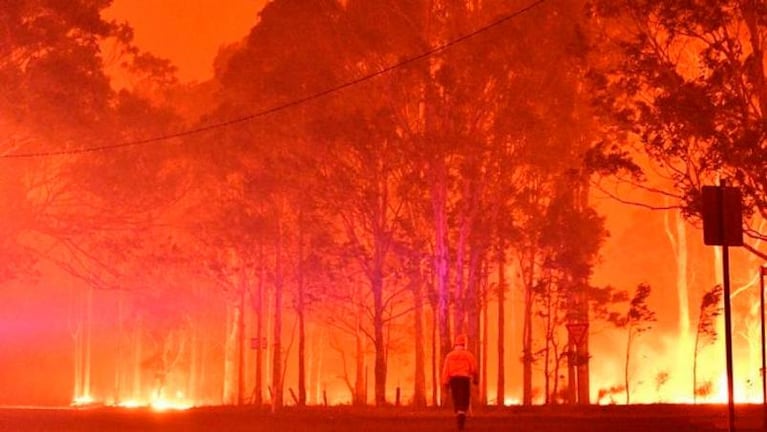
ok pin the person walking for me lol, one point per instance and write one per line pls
(458, 373)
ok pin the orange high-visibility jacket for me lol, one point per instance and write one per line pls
(459, 362)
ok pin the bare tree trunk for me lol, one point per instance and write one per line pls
(301, 353)
(230, 356)
(435, 384)
(380, 344)
(682, 283)
(547, 348)
(419, 391)
(527, 336)
(241, 344)
(277, 398)
(626, 366)
(260, 338)
(584, 381)
(439, 205)
(485, 341)
(318, 371)
(360, 385)
(300, 310)
(501, 384)
(472, 308)
(695, 359)
(460, 295)
(472, 298)
(677, 236)
(557, 368)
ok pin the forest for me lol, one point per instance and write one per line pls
(360, 182)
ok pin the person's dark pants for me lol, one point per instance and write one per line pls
(460, 390)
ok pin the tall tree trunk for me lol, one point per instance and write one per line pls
(300, 309)
(471, 301)
(360, 384)
(438, 170)
(419, 390)
(695, 365)
(547, 348)
(260, 338)
(682, 283)
(677, 236)
(485, 342)
(500, 396)
(229, 395)
(752, 13)
(241, 342)
(277, 398)
(584, 377)
(435, 384)
(527, 334)
(318, 371)
(626, 367)
(584, 384)
(472, 307)
(460, 295)
(557, 368)
(378, 336)
(301, 352)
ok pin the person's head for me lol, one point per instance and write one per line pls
(460, 340)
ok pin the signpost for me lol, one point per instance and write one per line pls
(576, 330)
(723, 226)
(762, 274)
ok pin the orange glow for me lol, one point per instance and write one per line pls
(165, 335)
(156, 405)
(83, 401)
(188, 32)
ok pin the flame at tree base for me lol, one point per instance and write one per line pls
(156, 403)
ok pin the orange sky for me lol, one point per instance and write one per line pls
(188, 32)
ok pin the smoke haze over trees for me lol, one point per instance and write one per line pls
(358, 183)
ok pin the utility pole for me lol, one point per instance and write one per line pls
(723, 226)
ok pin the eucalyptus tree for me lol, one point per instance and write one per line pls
(350, 139)
(683, 89)
(684, 83)
(540, 135)
(275, 65)
(78, 202)
(53, 93)
(462, 110)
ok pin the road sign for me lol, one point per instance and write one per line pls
(722, 216)
(577, 331)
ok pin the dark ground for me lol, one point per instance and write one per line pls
(652, 418)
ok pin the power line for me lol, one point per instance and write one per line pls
(281, 107)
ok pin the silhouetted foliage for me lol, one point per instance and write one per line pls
(706, 334)
(685, 81)
(636, 320)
